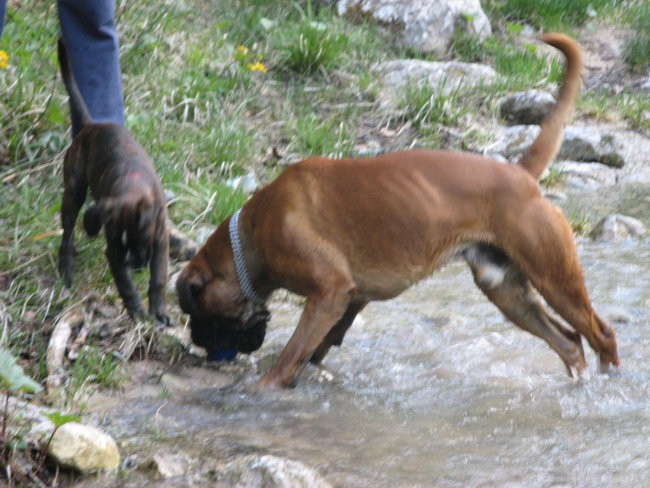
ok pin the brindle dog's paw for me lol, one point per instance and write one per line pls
(162, 320)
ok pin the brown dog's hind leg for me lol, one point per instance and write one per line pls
(518, 300)
(543, 247)
(335, 336)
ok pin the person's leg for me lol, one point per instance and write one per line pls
(3, 5)
(88, 29)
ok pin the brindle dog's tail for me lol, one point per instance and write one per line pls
(77, 103)
(545, 148)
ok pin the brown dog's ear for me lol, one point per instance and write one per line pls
(93, 220)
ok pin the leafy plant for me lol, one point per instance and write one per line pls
(310, 45)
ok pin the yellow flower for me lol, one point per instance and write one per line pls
(4, 59)
(241, 49)
(257, 67)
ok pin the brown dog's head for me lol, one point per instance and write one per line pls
(208, 290)
(130, 225)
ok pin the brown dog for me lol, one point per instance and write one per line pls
(129, 203)
(345, 232)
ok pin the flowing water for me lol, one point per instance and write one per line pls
(431, 389)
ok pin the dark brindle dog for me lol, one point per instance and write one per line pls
(345, 232)
(129, 204)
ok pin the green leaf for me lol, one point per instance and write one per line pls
(59, 419)
(12, 375)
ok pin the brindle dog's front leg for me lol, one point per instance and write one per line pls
(158, 276)
(115, 254)
(74, 195)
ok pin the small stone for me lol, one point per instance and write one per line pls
(168, 465)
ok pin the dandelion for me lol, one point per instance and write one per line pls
(4, 59)
(242, 49)
(257, 67)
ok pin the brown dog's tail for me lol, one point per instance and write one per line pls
(77, 103)
(545, 148)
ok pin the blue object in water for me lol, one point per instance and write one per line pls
(222, 355)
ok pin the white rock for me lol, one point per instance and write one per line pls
(169, 465)
(84, 447)
(424, 26)
(443, 77)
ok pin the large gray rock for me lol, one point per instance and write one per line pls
(579, 144)
(270, 472)
(443, 77)
(529, 107)
(84, 448)
(617, 227)
(425, 26)
(589, 144)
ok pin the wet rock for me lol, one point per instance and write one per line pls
(617, 227)
(84, 448)
(588, 144)
(270, 472)
(529, 107)
(444, 77)
(421, 27)
(165, 465)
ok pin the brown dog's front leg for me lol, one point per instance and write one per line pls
(317, 319)
(120, 272)
(335, 336)
(158, 278)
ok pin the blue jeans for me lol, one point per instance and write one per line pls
(88, 29)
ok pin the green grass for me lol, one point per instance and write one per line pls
(637, 45)
(428, 106)
(550, 14)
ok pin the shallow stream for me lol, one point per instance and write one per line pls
(432, 389)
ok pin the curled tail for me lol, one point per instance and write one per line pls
(77, 103)
(539, 155)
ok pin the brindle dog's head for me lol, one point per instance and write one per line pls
(220, 315)
(130, 224)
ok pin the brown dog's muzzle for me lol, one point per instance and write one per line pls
(220, 333)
